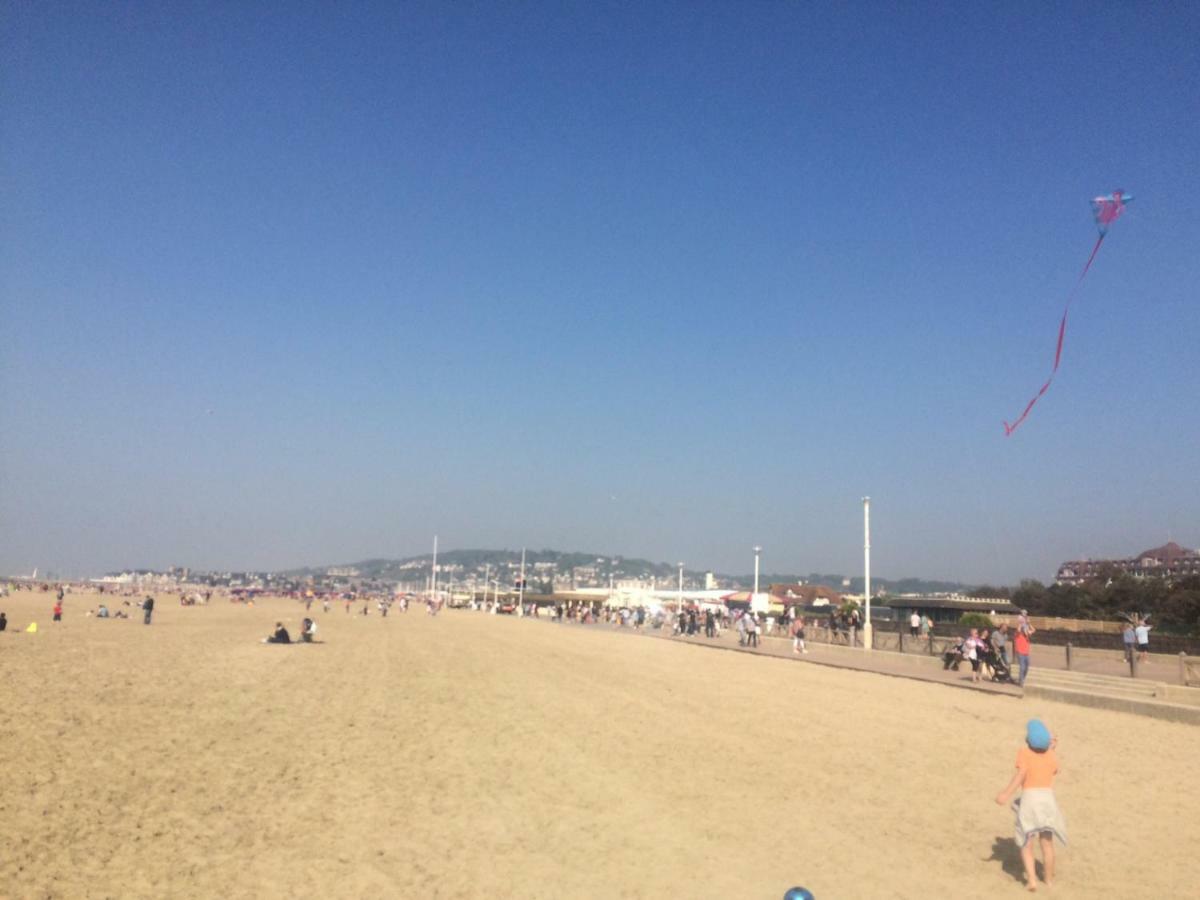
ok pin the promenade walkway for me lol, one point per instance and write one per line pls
(1148, 695)
(879, 662)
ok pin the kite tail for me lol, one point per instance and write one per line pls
(1062, 333)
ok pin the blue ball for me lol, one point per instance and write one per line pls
(798, 893)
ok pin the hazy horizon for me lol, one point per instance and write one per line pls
(284, 287)
(735, 573)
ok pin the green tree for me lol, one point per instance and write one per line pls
(1030, 595)
(1067, 601)
(1180, 607)
(976, 620)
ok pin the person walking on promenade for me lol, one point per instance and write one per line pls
(741, 629)
(798, 636)
(1036, 810)
(1000, 642)
(710, 624)
(1142, 633)
(914, 624)
(1127, 638)
(1021, 646)
(752, 630)
(147, 609)
(971, 648)
(985, 650)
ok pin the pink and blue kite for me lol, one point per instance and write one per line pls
(1105, 210)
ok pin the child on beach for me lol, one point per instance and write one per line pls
(1036, 809)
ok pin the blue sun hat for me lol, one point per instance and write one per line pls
(1037, 735)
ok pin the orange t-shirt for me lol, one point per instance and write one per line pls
(1037, 769)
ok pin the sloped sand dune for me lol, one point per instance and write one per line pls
(479, 756)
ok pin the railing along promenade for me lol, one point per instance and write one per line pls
(1178, 668)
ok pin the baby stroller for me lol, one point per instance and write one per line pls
(953, 657)
(1001, 671)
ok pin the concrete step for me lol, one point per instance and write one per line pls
(1146, 690)
(1171, 712)
(1088, 678)
(1115, 694)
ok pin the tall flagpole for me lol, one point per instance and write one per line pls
(867, 642)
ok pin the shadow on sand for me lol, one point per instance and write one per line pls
(1006, 852)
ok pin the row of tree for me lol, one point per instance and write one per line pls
(1172, 605)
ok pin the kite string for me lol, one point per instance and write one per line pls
(1062, 333)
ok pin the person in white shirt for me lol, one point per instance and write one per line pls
(971, 648)
(914, 624)
(1142, 633)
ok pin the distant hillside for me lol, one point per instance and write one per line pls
(617, 567)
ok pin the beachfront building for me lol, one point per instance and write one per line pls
(947, 609)
(798, 599)
(1168, 561)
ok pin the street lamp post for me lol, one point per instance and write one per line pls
(754, 596)
(867, 635)
(521, 587)
(433, 575)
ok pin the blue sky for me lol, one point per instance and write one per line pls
(286, 285)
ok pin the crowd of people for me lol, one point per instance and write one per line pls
(1001, 654)
(1136, 639)
(990, 652)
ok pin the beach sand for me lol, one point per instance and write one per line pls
(470, 755)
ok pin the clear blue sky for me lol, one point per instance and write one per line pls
(296, 284)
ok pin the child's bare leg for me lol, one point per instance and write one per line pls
(1048, 856)
(1027, 860)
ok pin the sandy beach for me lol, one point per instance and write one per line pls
(470, 755)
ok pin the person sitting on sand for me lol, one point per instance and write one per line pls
(280, 636)
(102, 612)
(3, 621)
(307, 629)
(1036, 809)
